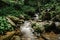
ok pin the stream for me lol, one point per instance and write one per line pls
(27, 31)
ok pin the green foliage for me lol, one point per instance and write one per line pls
(38, 27)
(4, 25)
(9, 11)
(28, 8)
(21, 2)
(18, 7)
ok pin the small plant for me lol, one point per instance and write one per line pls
(38, 27)
(4, 25)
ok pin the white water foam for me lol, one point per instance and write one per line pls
(27, 31)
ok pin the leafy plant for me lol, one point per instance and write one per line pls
(38, 27)
(4, 25)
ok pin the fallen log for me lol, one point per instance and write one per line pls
(10, 21)
(13, 18)
(7, 36)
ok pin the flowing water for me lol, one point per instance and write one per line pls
(36, 17)
(27, 31)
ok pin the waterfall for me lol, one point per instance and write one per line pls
(27, 31)
(36, 16)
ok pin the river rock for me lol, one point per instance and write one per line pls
(15, 38)
(21, 17)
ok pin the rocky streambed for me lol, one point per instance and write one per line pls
(41, 30)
